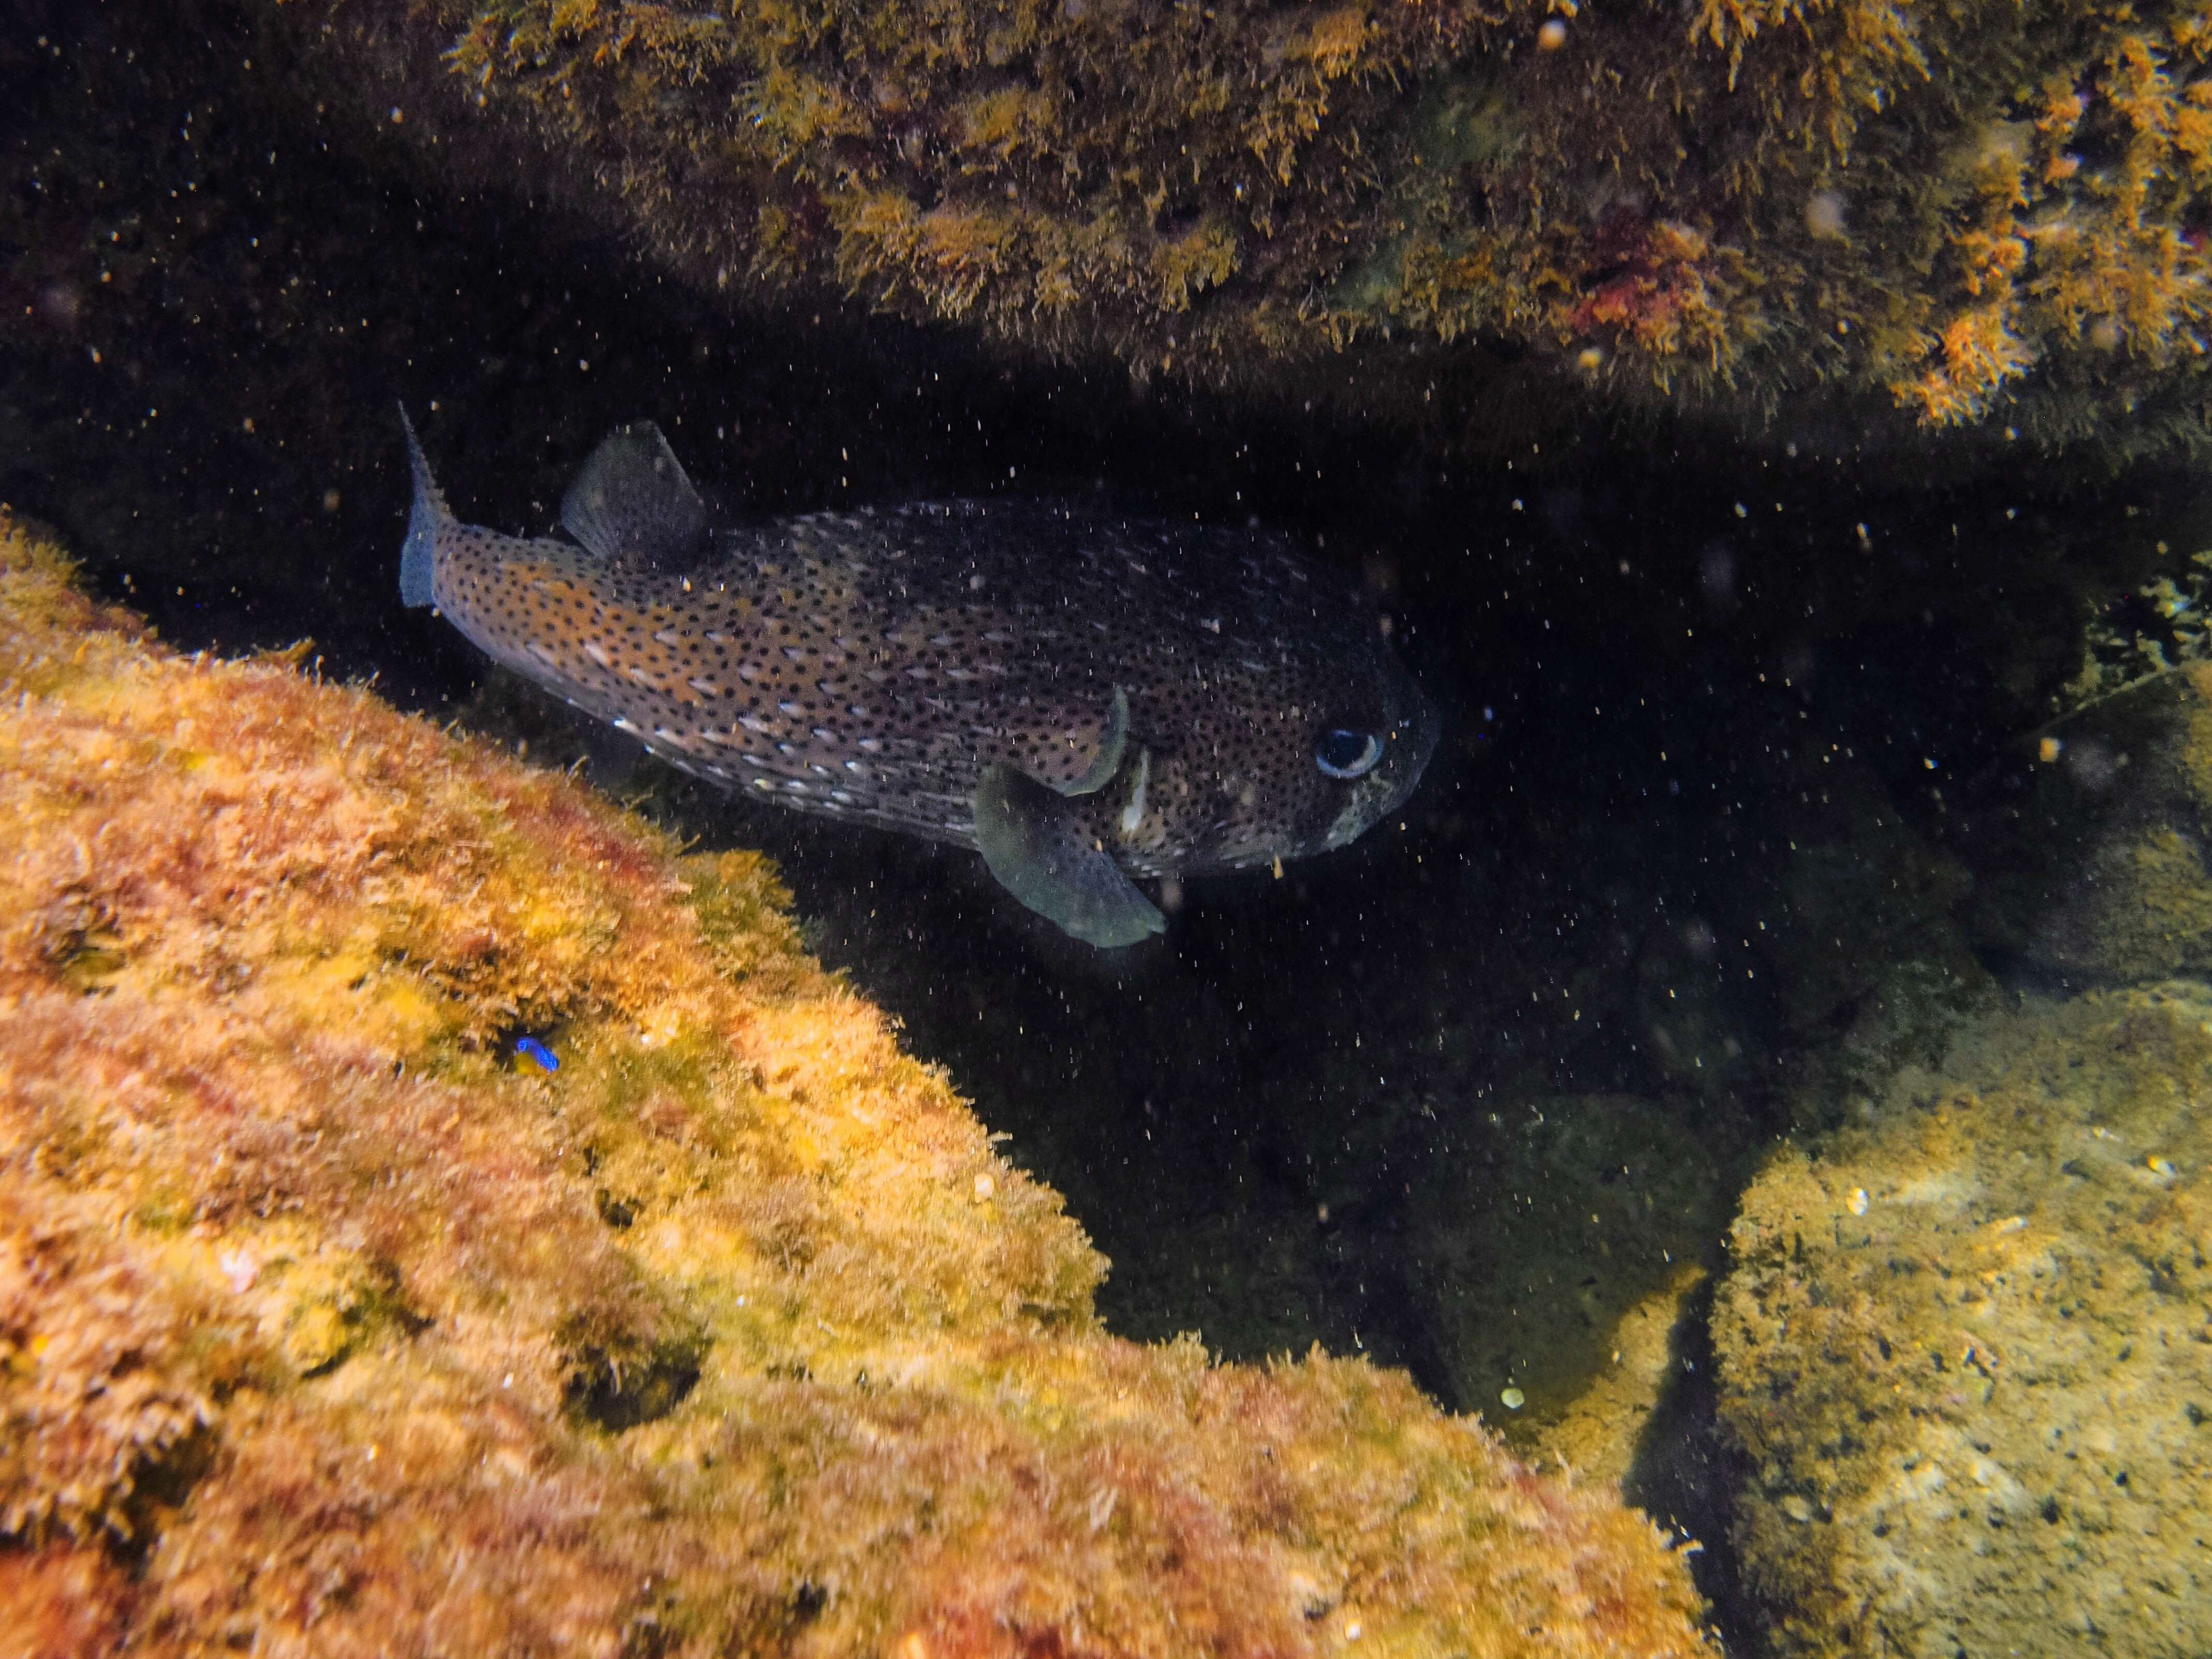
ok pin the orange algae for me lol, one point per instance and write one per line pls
(324, 1327)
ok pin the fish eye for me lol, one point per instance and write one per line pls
(1346, 753)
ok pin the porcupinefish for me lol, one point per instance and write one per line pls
(1082, 697)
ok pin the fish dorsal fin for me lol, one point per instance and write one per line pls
(418, 554)
(1035, 842)
(633, 501)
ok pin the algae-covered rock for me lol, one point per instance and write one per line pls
(1960, 212)
(436, 1216)
(1861, 916)
(1966, 1347)
(1556, 1242)
(2104, 875)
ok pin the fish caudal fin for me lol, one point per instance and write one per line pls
(1034, 843)
(418, 554)
(633, 501)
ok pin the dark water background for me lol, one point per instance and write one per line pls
(213, 297)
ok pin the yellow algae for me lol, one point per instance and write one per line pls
(1204, 258)
(326, 1325)
(1008, 119)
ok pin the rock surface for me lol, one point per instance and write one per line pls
(1966, 1346)
(332, 1319)
(2108, 881)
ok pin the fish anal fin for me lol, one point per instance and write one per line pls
(1035, 844)
(633, 501)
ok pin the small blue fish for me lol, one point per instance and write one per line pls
(529, 1048)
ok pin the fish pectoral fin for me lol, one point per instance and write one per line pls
(1034, 843)
(634, 500)
(1111, 747)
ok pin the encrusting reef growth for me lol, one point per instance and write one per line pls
(333, 1319)
(1960, 212)
(1966, 1343)
(1965, 1347)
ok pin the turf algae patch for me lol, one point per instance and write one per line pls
(328, 1326)
(1966, 1347)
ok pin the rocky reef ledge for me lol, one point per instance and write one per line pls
(333, 1319)
(1848, 223)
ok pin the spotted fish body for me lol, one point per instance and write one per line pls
(1082, 696)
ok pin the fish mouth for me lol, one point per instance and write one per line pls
(1414, 745)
